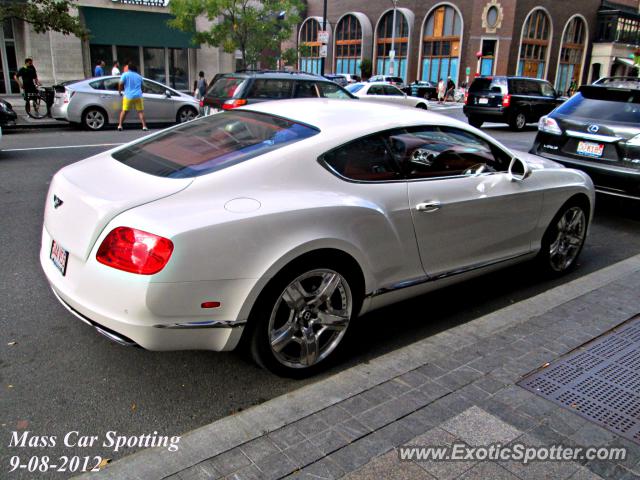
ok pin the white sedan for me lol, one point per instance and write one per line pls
(284, 221)
(385, 93)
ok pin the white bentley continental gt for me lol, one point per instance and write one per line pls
(280, 223)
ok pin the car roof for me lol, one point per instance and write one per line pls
(343, 118)
(274, 75)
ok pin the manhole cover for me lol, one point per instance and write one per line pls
(599, 381)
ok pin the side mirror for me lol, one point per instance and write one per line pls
(167, 93)
(519, 170)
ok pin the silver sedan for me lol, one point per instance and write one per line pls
(95, 102)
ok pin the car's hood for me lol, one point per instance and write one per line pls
(85, 196)
(536, 162)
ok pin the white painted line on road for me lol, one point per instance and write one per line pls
(62, 146)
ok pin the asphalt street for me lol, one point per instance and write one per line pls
(57, 375)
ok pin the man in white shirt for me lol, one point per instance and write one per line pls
(116, 68)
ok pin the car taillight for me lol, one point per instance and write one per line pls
(549, 125)
(134, 251)
(506, 100)
(67, 96)
(201, 102)
(466, 97)
(233, 103)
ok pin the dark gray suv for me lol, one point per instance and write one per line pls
(232, 90)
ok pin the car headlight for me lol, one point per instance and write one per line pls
(4, 107)
(634, 142)
(549, 125)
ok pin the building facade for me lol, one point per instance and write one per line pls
(124, 30)
(557, 40)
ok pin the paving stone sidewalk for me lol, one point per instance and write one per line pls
(456, 386)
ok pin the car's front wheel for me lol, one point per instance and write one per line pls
(564, 239)
(301, 319)
(186, 114)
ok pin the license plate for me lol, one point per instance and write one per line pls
(590, 149)
(483, 101)
(59, 256)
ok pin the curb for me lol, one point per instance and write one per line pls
(229, 432)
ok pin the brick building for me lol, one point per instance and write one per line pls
(560, 40)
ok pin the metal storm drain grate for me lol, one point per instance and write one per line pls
(599, 381)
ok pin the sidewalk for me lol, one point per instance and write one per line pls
(456, 386)
(24, 120)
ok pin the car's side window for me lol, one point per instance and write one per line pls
(442, 151)
(97, 85)
(305, 90)
(154, 88)
(375, 90)
(533, 88)
(548, 90)
(367, 159)
(272, 89)
(331, 90)
(111, 84)
(391, 90)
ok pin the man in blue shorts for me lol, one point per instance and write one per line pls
(131, 83)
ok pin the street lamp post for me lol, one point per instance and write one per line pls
(392, 53)
(324, 29)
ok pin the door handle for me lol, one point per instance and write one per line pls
(428, 207)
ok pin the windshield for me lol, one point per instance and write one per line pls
(354, 87)
(212, 143)
(600, 109)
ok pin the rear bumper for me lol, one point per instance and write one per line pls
(492, 113)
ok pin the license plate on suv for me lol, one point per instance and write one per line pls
(590, 149)
(59, 256)
(483, 101)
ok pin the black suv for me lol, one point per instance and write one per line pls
(513, 100)
(597, 131)
(233, 90)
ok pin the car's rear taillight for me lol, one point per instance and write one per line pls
(233, 103)
(67, 95)
(506, 100)
(466, 97)
(134, 251)
(202, 103)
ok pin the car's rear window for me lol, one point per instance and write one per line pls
(356, 87)
(602, 105)
(212, 143)
(486, 84)
(225, 87)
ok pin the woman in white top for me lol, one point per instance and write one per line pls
(115, 70)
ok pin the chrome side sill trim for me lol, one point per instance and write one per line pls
(591, 136)
(206, 324)
(440, 276)
(616, 194)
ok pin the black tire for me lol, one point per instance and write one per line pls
(475, 121)
(555, 240)
(270, 305)
(94, 118)
(186, 114)
(518, 121)
(421, 106)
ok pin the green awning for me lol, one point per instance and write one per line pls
(110, 26)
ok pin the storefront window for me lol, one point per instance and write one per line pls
(309, 37)
(8, 64)
(154, 64)
(536, 34)
(386, 36)
(179, 69)
(441, 44)
(348, 45)
(101, 52)
(126, 55)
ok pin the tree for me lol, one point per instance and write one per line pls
(291, 55)
(366, 68)
(251, 26)
(44, 15)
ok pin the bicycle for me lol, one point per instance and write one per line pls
(38, 104)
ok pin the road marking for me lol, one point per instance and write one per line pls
(61, 146)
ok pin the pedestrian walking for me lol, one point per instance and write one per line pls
(99, 70)
(27, 78)
(442, 89)
(200, 86)
(130, 86)
(116, 68)
(451, 88)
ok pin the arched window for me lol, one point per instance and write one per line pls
(309, 37)
(348, 45)
(571, 54)
(384, 35)
(534, 46)
(441, 38)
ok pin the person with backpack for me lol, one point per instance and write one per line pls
(200, 86)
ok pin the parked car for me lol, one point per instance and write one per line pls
(422, 89)
(281, 222)
(8, 116)
(598, 131)
(513, 100)
(339, 79)
(234, 90)
(397, 81)
(385, 93)
(95, 103)
(351, 78)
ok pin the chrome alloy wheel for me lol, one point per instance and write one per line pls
(187, 114)
(310, 318)
(521, 121)
(95, 119)
(571, 229)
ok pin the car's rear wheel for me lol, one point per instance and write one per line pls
(94, 118)
(518, 121)
(186, 114)
(301, 319)
(475, 121)
(564, 239)
(421, 106)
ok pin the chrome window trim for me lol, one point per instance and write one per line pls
(591, 136)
